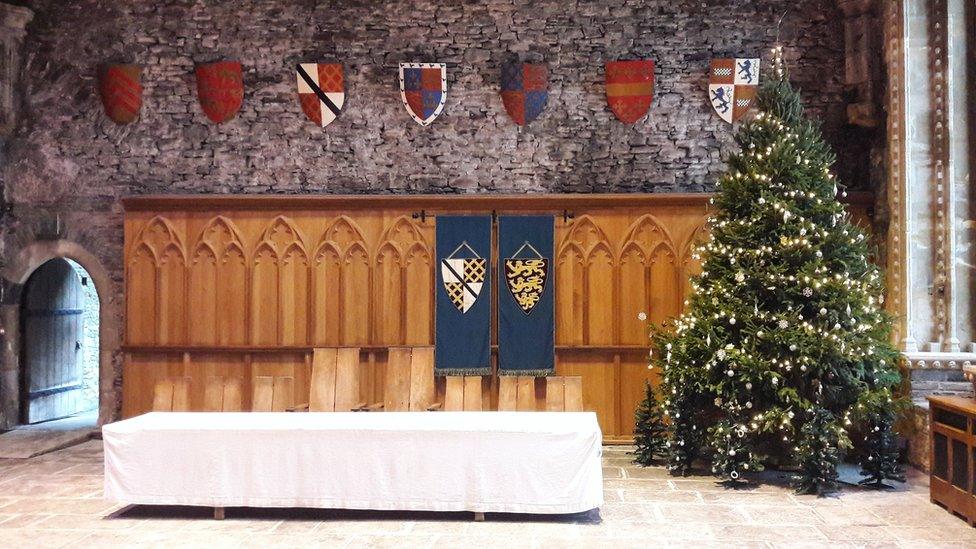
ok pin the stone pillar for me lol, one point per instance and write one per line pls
(930, 256)
(13, 25)
(9, 366)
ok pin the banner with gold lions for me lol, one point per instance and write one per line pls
(462, 335)
(526, 329)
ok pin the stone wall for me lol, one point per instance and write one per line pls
(67, 158)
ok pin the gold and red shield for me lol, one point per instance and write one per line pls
(121, 92)
(630, 88)
(220, 88)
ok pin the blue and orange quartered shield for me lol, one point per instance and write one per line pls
(423, 88)
(525, 90)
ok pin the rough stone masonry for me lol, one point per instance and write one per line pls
(67, 158)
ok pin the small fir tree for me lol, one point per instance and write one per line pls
(880, 463)
(650, 431)
(784, 335)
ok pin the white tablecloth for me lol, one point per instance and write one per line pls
(519, 462)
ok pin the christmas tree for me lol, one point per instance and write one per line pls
(649, 429)
(784, 344)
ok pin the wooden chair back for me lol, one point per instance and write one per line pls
(409, 379)
(335, 380)
(552, 394)
(464, 394)
(223, 394)
(172, 394)
(273, 393)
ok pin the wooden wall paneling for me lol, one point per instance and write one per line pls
(555, 393)
(396, 395)
(233, 399)
(156, 280)
(163, 396)
(633, 373)
(322, 386)
(348, 370)
(689, 265)
(570, 292)
(507, 393)
(473, 394)
(163, 235)
(282, 364)
(283, 396)
(181, 394)
(140, 372)
(573, 394)
(596, 370)
(326, 292)
(201, 368)
(389, 309)
(263, 399)
(454, 394)
(648, 271)
(355, 296)
(423, 391)
(525, 398)
(264, 296)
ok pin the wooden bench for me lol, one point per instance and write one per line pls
(273, 393)
(223, 394)
(172, 394)
(532, 394)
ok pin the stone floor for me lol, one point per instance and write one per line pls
(54, 500)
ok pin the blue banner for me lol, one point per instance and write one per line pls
(526, 328)
(463, 326)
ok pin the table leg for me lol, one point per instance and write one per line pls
(479, 517)
(218, 513)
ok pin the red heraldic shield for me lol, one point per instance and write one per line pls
(220, 87)
(321, 91)
(630, 88)
(121, 92)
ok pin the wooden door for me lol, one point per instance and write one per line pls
(53, 316)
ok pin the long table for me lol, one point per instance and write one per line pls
(513, 462)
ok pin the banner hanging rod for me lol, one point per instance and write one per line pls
(567, 215)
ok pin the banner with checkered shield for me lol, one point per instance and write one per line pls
(463, 307)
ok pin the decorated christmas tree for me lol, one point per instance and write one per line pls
(650, 431)
(784, 343)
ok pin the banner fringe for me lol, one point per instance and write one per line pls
(533, 373)
(443, 372)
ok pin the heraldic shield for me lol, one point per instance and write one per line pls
(630, 88)
(526, 278)
(220, 88)
(423, 89)
(732, 87)
(464, 277)
(525, 90)
(121, 92)
(321, 91)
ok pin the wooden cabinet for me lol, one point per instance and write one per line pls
(953, 454)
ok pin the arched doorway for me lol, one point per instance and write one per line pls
(59, 344)
(16, 274)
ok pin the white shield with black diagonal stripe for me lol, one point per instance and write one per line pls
(321, 91)
(463, 280)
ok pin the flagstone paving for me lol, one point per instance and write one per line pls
(55, 500)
